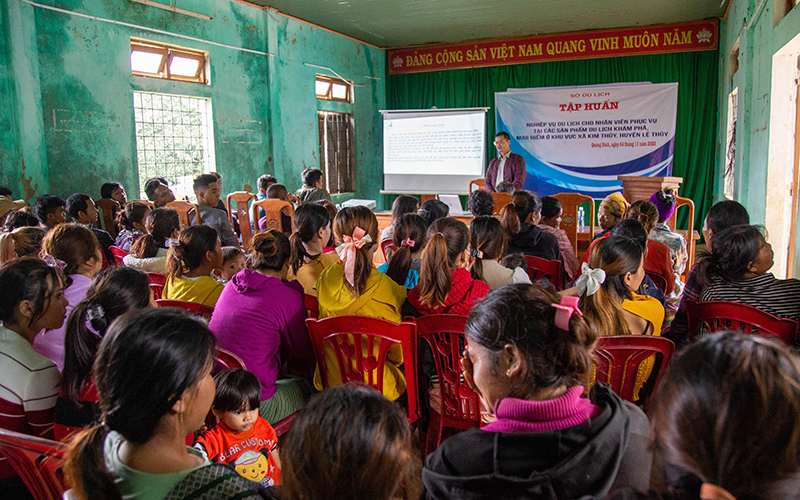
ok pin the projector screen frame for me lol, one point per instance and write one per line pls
(399, 188)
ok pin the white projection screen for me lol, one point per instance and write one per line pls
(433, 151)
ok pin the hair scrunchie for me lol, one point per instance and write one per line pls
(590, 280)
(53, 262)
(347, 251)
(408, 242)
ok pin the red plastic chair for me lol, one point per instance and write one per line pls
(193, 307)
(225, 360)
(539, 268)
(283, 426)
(719, 315)
(618, 359)
(353, 341)
(460, 407)
(119, 254)
(37, 461)
(157, 282)
(312, 305)
(388, 245)
(658, 280)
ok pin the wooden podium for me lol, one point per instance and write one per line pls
(636, 188)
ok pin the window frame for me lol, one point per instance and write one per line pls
(168, 52)
(331, 81)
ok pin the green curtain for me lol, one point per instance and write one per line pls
(695, 72)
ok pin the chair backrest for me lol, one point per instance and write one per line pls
(224, 360)
(37, 461)
(569, 217)
(715, 316)
(183, 208)
(312, 305)
(444, 333)
(618, 359)
(193, 307)
(119, 254)
(539, 268)
(353, 340)
(241, 215)
(272, 208)
(659, 280)
(157, 283)
(500, 200)
(146, 202)
(477, 183)
(107, 208)
(386, 246)
(685, 202)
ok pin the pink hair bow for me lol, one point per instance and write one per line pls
(408, 242)
(564, 311)
(347, 251)
(53, 262)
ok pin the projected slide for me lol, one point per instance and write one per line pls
(433, 150)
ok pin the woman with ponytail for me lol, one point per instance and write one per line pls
(445, 287)
(486, 247)
(260, 317)
(131, 224)
(190, 261)
(356, 287)
(410, 238)
(114, 292)
(149, 252)
(153, 375)
(312, 224)
(526, 352)
(402, 205)
(519, 219)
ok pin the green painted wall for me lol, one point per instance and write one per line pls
(70, 75)
(757, 45)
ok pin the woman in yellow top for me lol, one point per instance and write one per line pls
(356, 287)
(312, 225)
(615, 269)
(190, 261)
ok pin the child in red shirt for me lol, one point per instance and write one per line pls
(242, 438)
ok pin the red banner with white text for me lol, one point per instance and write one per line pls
(664, 38)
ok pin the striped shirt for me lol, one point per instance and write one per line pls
(28, 390)
(778, 297)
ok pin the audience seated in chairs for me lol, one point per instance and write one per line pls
(519, 219)
(312, 232)
(206, 188)
(190, 263)
(149, 251)
(158, 191)
(131, 222)
(550, 222)
(486, 248)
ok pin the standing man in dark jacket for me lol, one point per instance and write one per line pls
(508, 166)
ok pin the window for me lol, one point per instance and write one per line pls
(174, 139)
(337, 151)
(333, 89)
(158, 60)
(730, 147)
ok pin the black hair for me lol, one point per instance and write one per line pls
(487, 241)
(309, 218)
(515, 260)
(402, 205)
(203, 180)
(152, 184)
(505, 187)
(191, 249)
(310, 176)
(4, 191)
(114, 291)
(433, 210)
(230, 253)
(145, 363)
(133, 212)
(265, 180)
(47, 204)
(550, 207)
(523, 204)
(20, 218)
(633, 229)
(270, 251)
(277, 191)
(504, 135)
(160, 223)
(76, 203)
(235, 387)
(733, 250)
(108, 188)
(480, 203)
(524, 316)
(26, 278)
(726, 214)
(409, 227)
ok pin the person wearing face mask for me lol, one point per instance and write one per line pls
(507, 167)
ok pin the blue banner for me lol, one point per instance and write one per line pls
(579, 139)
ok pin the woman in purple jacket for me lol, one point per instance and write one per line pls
(260, 317)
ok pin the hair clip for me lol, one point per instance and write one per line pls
(95, 312)
(173, 242)
(564, 311)
(408, 242)
(476, 253)
(53, 262)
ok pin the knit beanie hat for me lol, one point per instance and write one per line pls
(616, 204)
(665, 202)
